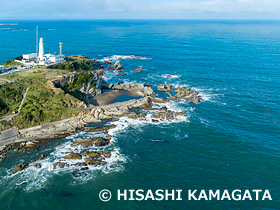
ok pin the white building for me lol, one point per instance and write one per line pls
(29, 57)
(55, 58)
(1, 67)
(42, 58)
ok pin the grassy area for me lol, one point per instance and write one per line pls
(2, 81)
(44, 103)
(74, 63)
(12, 63)
(10, 97)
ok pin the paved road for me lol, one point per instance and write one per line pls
(8, 136)
(8, 81)
(22, 101)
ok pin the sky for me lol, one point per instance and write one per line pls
(139, 9)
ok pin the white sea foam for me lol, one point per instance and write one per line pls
(124, 122)
(119, 57)
(172, 76)
(33, 178)
(8, 24)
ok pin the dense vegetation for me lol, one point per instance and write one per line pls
(11, 95)
(83, 79)
(42, 105)
(74, 63)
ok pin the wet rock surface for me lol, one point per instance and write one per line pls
(117, 66)
(99, 128)
(72, 156)
(138, 69)
(97, 141)
(21, 167)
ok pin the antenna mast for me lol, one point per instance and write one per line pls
(37, 44)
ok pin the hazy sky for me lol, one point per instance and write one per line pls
(139, 9)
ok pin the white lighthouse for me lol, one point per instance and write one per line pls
(41, 49)
(41, 58)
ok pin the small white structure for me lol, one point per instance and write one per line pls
(29, 57)
(1, 67)
(54, 58)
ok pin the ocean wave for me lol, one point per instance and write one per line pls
(172, 76)
(124, 122)
(34, 178)
(8, 24)
(5, 29)
(119, 57)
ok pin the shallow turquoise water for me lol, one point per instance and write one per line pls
(229, 141)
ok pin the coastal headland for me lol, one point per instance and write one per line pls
(45, 103)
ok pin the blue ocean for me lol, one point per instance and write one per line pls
(229, 141)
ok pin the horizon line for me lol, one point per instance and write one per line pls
(88, 19)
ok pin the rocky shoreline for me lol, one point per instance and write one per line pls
(31, 139)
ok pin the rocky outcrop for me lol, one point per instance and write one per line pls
(163, 87)
(99, 128)
(183, 92)
(117, 66)
(138, 69)
(21, 167)
(59, 165)
(99, 85)
(136, 88)
(194, 98)
(97, 141)
(167, 114)
(72, 156)
(159, 100)
(66, 80)
(87, 89)
(3, 157)
(122, 74)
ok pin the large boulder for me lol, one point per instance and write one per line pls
(90, 154)
(73, 156)
(117, 66)
(159, 100)
(95, 162)
(138, 69)
(163, 87)
(97, 141)
(194, 98)
(99, 128)
(59, 165)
